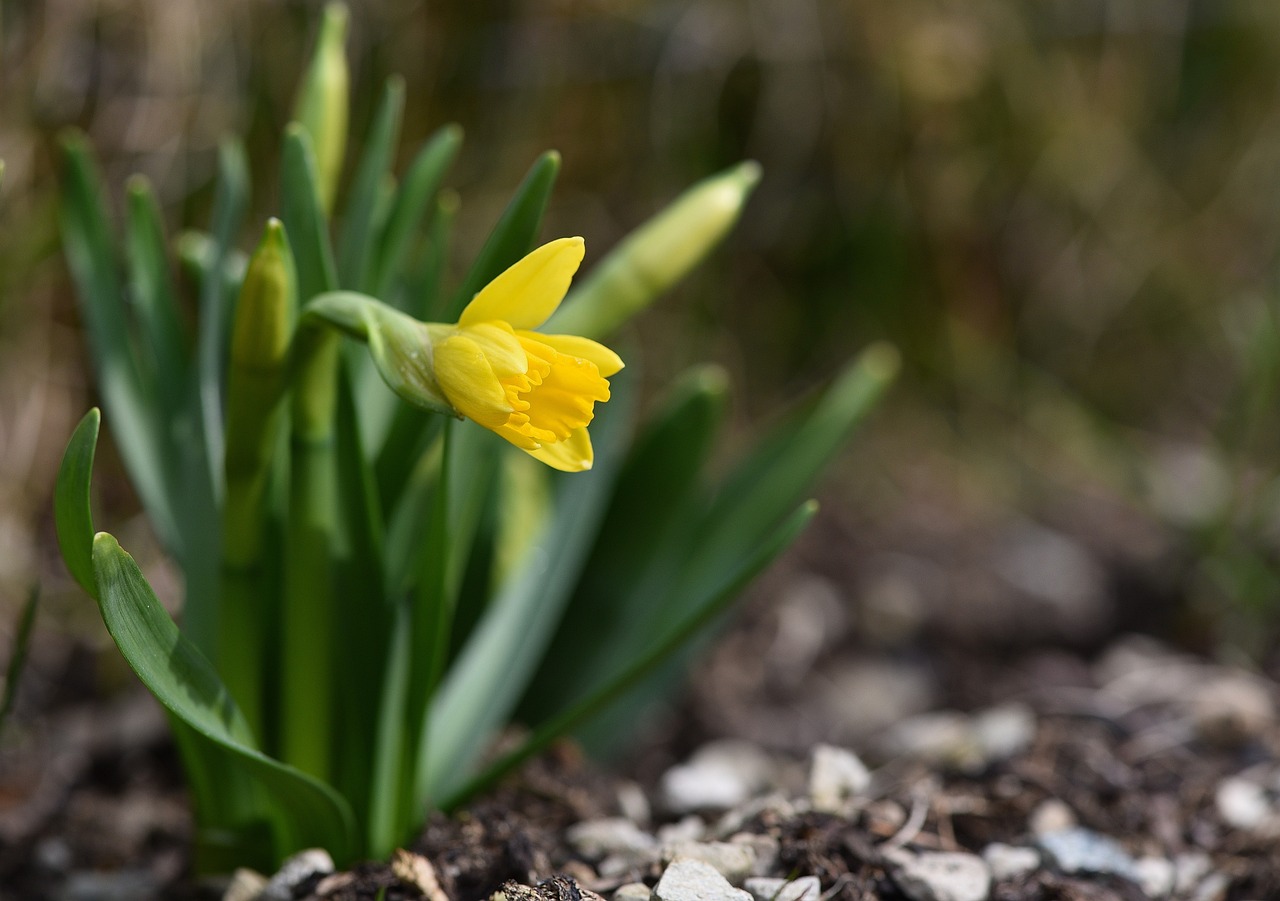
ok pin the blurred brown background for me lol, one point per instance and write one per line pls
(1062, 211)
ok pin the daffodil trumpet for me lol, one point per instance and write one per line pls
(537, 391)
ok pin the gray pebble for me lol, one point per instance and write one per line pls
(735, 862)
(720, 775)
(632, 891)
(1155, 875)
(1049, 816)
(294, 871)
(594, 839)
(835, 776)
(763, 888)
(687, 829)
(1243, 803)
(766, 849)
(941, 876)
(694, 880)
(1010, 862)
(1081, 850)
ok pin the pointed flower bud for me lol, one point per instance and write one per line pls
(536, 391)
(323, 100)
(658, 254)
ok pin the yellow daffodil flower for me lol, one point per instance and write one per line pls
(537, 391)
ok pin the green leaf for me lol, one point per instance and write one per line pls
(91, 256)
(598, 696)
(515, 232)
(72, 516)
(304, 812)
(151, 287)
(18, 653)
(488, 678)
(356, 239)
(304, 217)
(415, 196)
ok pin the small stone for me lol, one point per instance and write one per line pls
(690, 828)
(693, 880)
(1243, 803)
(943, 737)
(633, 803)
(416, 871)
(941, 876)
(835, 776)
(1004, 731)
(1189, 869)
(1081, 850)
(762, 888)
(766, 849)
(733, 820)
(594, 839)
(735, 862)
(1008, 861)
(1155, 875)
(1232, 709)
(632, 891)
(294, 872)
(720, 775)
(1051, 815)
(245, 885)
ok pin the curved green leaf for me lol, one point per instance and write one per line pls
(303, 811)
(72, 516)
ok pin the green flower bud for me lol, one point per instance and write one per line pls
(323, 100)
(657, 255)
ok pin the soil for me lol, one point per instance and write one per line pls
(92, 803)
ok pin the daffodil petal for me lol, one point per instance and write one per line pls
(468, 381)
(530, 290)
(574, 454)
(500, 347)
(606, 360)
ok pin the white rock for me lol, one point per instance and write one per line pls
(632, 891)
(733, 820)
(245, 885)
(1189, 869)
(735, 862)
(941, 876)
(835, 776)
(1156, 876)
(942, 737)
(763, 888)
(1051, 815)
(693, 880)
(719, 776)
(1085, 851)
(1008, 861)
(1231, 709)
(294, 872)
(1004, 731)
(1242, 803)
(766, 849)
(594, 839)
(633, 802)
(690, 828)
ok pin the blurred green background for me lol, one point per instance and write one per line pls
(1064, 212)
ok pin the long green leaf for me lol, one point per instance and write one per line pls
(154, 298)
(72, 516)
(486, 681)
(303, 216)
(18, 654)
(597, 697)
(304, 811)
(415, 196)
(356, 239)
(91, 256)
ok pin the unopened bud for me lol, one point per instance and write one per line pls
(323, 100)
(657, 255)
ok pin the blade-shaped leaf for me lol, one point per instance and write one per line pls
(72, 514)
(18, 653)
(356, 239)
(597, 697)
(415, 197)
(487, 679)
(305, 811)
(304, 217)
